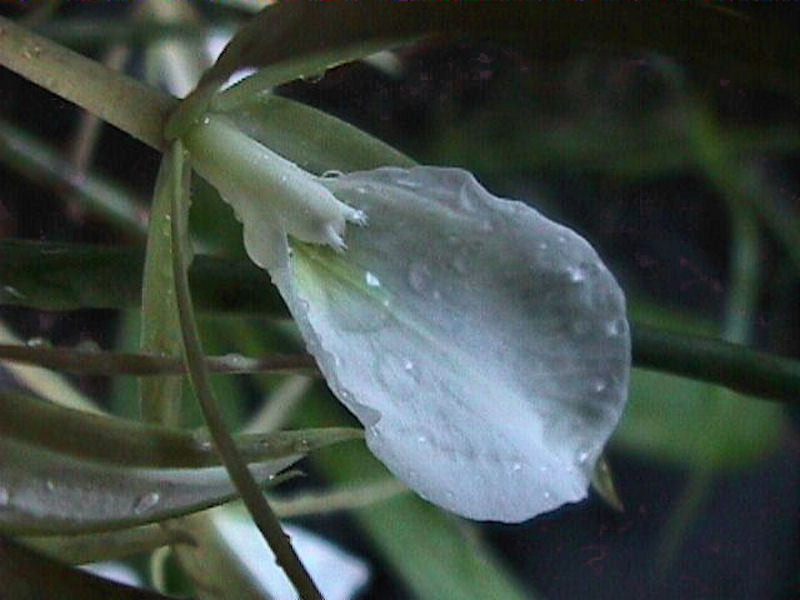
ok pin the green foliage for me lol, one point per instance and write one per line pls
(108, 467)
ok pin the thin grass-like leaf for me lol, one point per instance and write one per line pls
(113, 441)
(106, 545)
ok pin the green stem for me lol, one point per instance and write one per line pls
(734, 366)
(263, 516)
(135, 108)
(84, 362)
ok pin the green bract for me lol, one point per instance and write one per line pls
(485, 348)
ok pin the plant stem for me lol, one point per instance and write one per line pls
(134, 107)
(86, 362)
(737, 367)
(251, 494)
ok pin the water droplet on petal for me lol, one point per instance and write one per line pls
(372, 281)
(583, 457)
(332, 174)
(614, 327)
(146, 502)
(422, 439)
(576, 274)
(542, 245)
(50, 485)
(562, 239)
(600, 385)
(517, 466)
(408, 365)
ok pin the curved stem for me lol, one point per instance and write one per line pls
(263, 516)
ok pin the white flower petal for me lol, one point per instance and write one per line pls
(484, 347)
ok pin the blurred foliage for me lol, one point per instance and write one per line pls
(645, 154)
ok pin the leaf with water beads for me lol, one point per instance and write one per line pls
(484, 347)
(103, 473)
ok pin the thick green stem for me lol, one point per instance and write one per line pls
(135, 108)
(737, 367)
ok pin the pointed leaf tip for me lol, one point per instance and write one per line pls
(484, 347)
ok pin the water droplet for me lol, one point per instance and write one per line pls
(600, 385)
(372, 281)
(542, 245)
(562, 239)
(332, 174)
(547, 495)
(583, 457)
(449, 495)
(206, 120)
(38, 342)
(50, 485)
(517, 466)
(408, 365)
(614, 327)
(235, 360)
(5, 497)
(146, 502)
(576, 274)
(422, 439)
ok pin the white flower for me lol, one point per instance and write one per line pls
(485, 348)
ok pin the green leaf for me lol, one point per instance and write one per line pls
(59, 276)
(751, 49)
(110, 440)
(104, 473)
(47, 492)
(26, 575)
(160, 335)
(687, 422)
(105, 545)
(316, 141)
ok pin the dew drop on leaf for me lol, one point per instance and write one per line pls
(371, 280)
(146, 502)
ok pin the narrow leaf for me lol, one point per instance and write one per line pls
(160, 334)
(46, 492)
